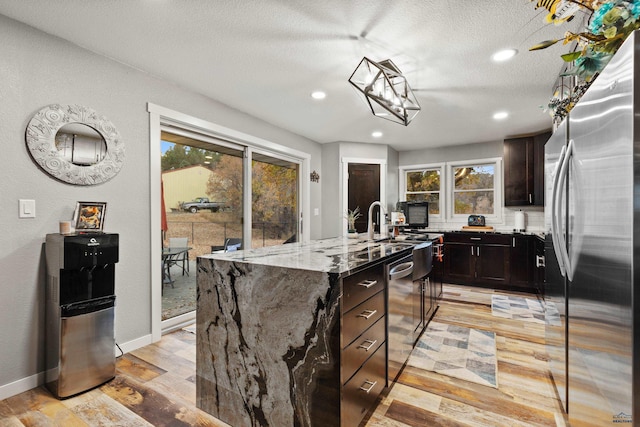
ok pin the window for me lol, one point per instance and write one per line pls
(425, 185)
(474, 188)
(455, 190)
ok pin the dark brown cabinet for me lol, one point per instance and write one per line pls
(459, 264)
(538, 276)
(364, 349)
(524, 170)
(492, 264)
(477, 259)
(505, 261)
(522, 262)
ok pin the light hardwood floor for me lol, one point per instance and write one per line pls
(155, 385)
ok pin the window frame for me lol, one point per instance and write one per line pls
(440, 167)
(447, 215)
(496, 162)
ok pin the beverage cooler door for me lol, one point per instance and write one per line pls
(87, 344)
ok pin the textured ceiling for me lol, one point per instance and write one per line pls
(265, 57)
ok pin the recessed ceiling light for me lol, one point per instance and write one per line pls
(318, 94)
(376, 134)
(504, 55)
(500, 115)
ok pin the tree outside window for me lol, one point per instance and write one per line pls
(424, 186)
(473, 190)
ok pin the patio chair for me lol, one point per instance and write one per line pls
(181, 258)
(230, 244)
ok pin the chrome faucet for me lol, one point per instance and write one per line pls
(383, 212)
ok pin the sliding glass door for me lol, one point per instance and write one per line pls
(203, 200)
(202, 186)
(274, 200)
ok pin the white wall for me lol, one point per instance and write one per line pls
(451, 153)
(37, 70)
(331, 190)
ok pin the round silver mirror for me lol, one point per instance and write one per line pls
(75, 145)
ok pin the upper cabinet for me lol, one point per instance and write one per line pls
(524, 170)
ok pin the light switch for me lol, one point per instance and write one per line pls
(27, 208)
(316, 211)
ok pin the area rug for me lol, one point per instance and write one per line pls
(518, 308)
(459, 352)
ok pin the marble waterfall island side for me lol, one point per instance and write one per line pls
(268, 331)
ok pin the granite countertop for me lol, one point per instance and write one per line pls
(339, 255)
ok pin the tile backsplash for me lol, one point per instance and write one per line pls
(533, 221)
(533, 218)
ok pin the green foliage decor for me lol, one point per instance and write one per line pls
(610, 23)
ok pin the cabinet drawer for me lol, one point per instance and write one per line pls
(478, 238)
(361, 392)
(361, 317)
(360, 286)
(364, 346)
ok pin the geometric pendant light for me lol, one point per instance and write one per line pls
(386, 90)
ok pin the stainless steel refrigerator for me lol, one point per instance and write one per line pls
(592, 218)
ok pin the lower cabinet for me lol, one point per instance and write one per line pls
(361, 391)
(477, 259)
(491, 259)
(538, 276)
(365, 333)
(492, 264)
(522, 262)
(364, 343)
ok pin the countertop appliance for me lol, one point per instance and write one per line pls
(476, 220)
(592, 206)
(416, 214)
(79, 311)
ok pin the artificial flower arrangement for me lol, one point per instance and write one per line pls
(610, 23)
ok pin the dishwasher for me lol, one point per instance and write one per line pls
(399, 315)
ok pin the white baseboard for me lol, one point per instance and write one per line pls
(134, 344)
(178, 322)
(25, 384)
(21, 385)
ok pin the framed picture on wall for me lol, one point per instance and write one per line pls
(89, 216)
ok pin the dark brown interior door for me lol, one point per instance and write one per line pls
(364, 189)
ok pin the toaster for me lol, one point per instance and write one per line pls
(476, 220)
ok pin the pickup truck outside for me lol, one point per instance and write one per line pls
(201, 203)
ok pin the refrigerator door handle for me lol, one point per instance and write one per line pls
(555, 211)
(564, 173)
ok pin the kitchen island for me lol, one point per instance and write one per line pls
(270, 344)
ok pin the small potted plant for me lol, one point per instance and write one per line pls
(351, 216)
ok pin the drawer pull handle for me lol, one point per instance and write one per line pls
(370, 384)
(475, 238)
(367, 347)
(367, 283)
(367, 313)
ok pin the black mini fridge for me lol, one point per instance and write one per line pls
(80, 303)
